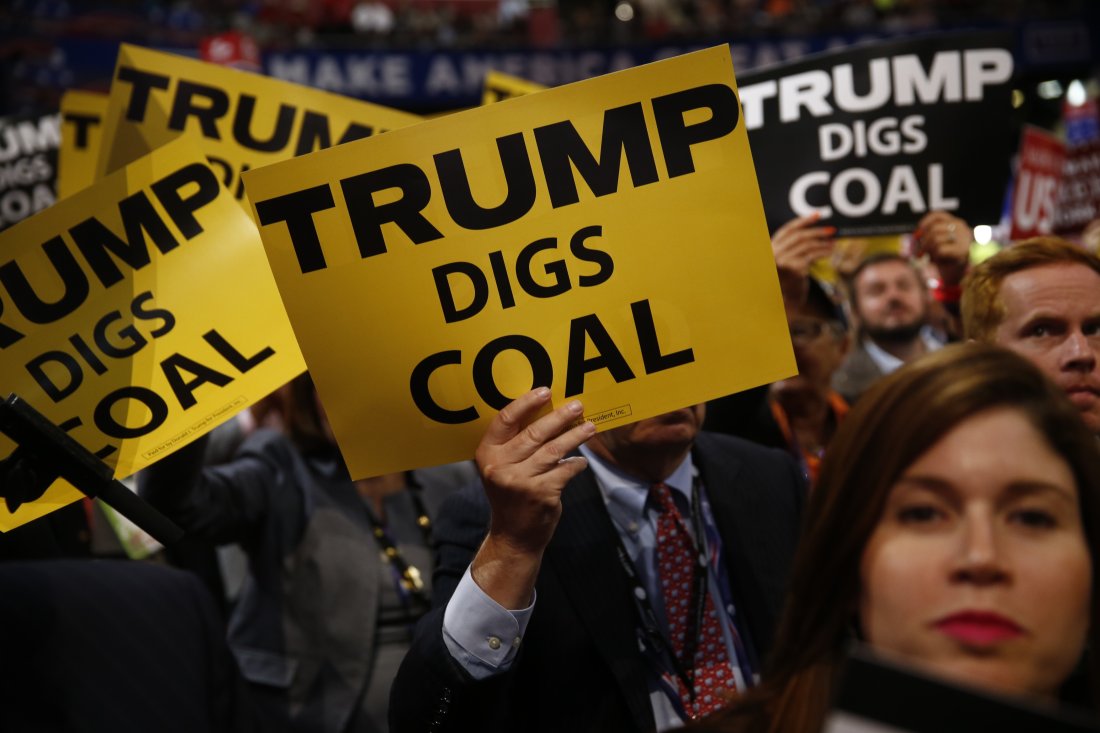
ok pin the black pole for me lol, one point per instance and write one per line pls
(46, 452)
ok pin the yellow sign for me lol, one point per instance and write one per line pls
(245, 120)
(605, 238)
(140, 313)
(82, 116)
(499, 86)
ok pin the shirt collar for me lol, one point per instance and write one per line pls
(625, 495)
(887, 362)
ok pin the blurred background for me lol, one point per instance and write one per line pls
(429, 56)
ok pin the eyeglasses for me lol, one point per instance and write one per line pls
(805, 331)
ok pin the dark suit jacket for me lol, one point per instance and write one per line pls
(114, 645)
(579, 668)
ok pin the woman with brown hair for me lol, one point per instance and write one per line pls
(954, 528)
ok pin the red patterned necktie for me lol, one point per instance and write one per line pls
(710, 671)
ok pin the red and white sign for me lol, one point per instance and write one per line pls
(232, 48)
(1037, 179)
(1079, 194)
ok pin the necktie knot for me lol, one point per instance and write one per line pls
(661, 494)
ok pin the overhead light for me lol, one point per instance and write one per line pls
(983, 233)
(624, 12)
(1050, 89)
(1017, 98)
(1075, 93)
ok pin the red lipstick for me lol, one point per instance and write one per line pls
(979, 628)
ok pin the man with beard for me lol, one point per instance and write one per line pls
(1041, 298)
(890, 304)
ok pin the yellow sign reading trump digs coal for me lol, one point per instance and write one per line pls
(140, 313)
(245, 120)
(604, 238)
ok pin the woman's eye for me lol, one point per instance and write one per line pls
(919, 514)
(1034, 518)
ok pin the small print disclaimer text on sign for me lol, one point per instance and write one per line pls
(610, 415)
(235, 406)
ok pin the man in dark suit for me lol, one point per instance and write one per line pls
(551, 606)
(115, 645)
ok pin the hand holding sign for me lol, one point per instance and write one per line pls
(524, 465)
(946, 239)
(796, 245)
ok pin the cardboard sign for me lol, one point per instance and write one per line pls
(82, 116)
(127, 321)
(499, 86)
(245, 120)
(1038, 175)
(875, 137)
(604, 238)
(28, 166)
(1079, 194)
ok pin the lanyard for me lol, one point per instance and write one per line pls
(409, 581)
(684, 665)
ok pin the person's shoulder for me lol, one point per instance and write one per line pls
(468, 498)
(736, 456)
(731, 445)
(270, 446)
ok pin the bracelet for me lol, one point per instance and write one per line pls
(944, 293)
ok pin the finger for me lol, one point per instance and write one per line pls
(515, 416)
(798, 223)
(815, 234)
(565, 470)
(949, 239)
(547, 429)
(552, 453)
(809, 250)
(931, 219)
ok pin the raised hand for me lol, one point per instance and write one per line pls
(796, 245)
(524, 466)
(946, 239)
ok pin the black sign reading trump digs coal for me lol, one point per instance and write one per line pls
(874, 137)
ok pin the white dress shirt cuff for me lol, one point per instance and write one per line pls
(482, 635)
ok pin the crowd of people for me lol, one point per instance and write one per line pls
(926, 485)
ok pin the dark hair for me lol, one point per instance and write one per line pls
(896, 422)
(820, 299)
(304, 423)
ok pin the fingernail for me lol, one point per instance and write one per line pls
(574, 406)
(589, 427)
(918, 232)
(830, 230)
(542, 392)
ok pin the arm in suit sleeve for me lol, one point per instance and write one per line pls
(432, 692)
(524, 461)
(220, 503)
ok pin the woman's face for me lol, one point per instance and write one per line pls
(978, 568)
